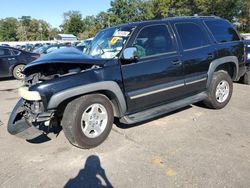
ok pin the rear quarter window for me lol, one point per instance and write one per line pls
(222, 31)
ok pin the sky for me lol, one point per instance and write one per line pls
(51, 10)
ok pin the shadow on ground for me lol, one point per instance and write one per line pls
(92, 175)
(51, 132)
(127, 126)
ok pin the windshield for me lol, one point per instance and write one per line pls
(108, 43)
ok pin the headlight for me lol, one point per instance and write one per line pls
(29, 95)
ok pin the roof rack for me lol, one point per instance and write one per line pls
(195, 16)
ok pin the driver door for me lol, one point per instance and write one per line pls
(157, 76)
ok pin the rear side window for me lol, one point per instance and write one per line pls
(191, 35)
(4, 52)
(15, 52)
(222, 31)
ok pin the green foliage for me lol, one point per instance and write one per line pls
(8, 29)
(25, 29)
(124, 11)
(72, 23)
(245, 17)
(228, 9)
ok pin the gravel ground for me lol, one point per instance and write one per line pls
(194, 147)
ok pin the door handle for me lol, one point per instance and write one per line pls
(210, 56)
(177, 62)
(11, 59)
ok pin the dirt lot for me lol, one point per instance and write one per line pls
(194, 147)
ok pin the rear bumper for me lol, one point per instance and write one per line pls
(18, 125)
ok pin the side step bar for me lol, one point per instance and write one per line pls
(160, 110)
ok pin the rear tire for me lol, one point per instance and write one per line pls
(17, 72)
(219, 91)
(87, 120)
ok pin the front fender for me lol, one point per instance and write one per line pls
(106, 86)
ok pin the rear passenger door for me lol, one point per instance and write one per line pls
(196, 54)
(157, 76)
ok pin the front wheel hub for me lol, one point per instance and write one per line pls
(94, 120)
(222, 91)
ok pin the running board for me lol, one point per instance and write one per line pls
(160, 110)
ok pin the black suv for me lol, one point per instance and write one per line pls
(134, 72)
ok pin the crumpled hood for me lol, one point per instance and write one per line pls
(68, 55)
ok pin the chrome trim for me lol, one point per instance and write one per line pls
(196, 81)
(157, 91)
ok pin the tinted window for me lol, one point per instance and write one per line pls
(15, 52)
(191, 35)
(222, 30)
(4, 52)
(154, 40)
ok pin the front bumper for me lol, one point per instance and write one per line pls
(19, 126)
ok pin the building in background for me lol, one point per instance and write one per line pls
(66, 37)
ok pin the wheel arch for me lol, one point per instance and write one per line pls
(108, 88)
(229, 64)
(11, 68)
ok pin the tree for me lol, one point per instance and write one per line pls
(73, 23)
(245, 17)
(8, 29)
(123, 11)
(228, 9)
(91, 27)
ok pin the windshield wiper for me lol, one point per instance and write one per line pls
(100, 48)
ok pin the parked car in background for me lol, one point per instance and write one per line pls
(12, 61)
(27, 47)
(49, 48)
(5, 45)
(246, 77)
(84, 44)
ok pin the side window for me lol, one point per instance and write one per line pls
(222, 31)
(191, 35)
(154, 40)
(5, 52)
(15, 52)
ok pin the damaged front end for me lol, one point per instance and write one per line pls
(44, 77)
(21, 122)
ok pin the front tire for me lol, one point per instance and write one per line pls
(17, 72)
(219, 91)
(87, 120)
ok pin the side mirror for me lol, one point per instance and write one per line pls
(130, 53)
